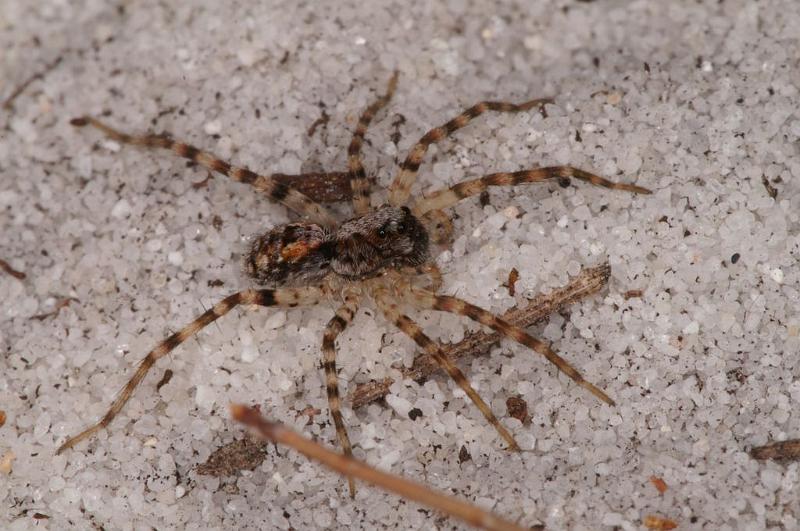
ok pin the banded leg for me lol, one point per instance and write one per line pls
(262, 297)
(448, 197)
(400, 189)
(429, 300)
(340, 321)
(411, 329)
(358, 179)
(273, 189)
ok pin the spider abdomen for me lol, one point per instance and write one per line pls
(292, 254)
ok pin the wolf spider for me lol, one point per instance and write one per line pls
(378, 253)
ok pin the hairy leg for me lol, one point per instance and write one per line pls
(400, 189)
(411, 329)
(429, 300)
(340, 321)
(273, 189)
(358, 179)
(262, 297)
(450, 196)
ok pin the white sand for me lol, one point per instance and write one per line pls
(703, 366)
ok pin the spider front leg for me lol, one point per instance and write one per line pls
(358, 179)
(412, 330)
(340, 321)
(273, 189)
(450, 196)
(286, 297)
(428, 300)
(400, 189)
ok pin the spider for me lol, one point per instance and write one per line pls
(383, 254)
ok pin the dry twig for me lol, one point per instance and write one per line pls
(590, 281)
(5, 266)
(227, 460)
(789, 450)
(60, 305)
(513, 276)
(9, 103)
(353, 468)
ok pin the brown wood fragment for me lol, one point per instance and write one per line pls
(659, 484)
(164, 379)
(589, 281)
(244, 454)
(7, 462)
(204, 183)
(61, 304)
(5, 266)
(633, 294)
(783, 450)
(464, 455)
(517, 408)
(658, 523)
(513, 276)
(771, 190)
(321, 121)
(40, 516)
(2, 418)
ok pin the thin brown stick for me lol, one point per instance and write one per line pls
(9, 103)
(356, 469)
(60, 305)
(590, 281)
(5, 266)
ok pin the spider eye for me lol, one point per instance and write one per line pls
(401, 228)
(381, 233)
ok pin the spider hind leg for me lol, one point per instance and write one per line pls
(337, 324)
(286, 297)
(429, 300)
(412, 329)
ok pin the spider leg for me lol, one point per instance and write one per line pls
(287, 297)
(412, 329)
(450, 196)
(340, 321)
(358, 180)
(429, 300)
(273, 189)
(400, 189)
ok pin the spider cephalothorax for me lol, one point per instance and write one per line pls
(304, 253)
(386, 237)
(369, 254)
